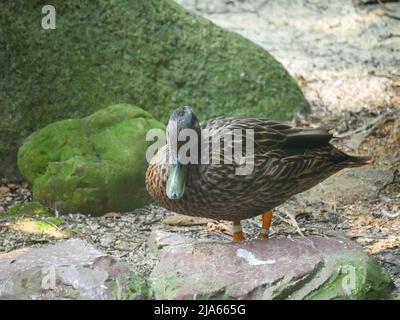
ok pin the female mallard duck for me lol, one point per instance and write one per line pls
(287, 161)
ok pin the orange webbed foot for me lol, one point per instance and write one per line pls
(266, 224)
(237, 231)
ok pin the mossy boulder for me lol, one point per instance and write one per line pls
(308, 268)
(91, 165)
(151, 53)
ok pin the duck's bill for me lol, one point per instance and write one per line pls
(176, 181)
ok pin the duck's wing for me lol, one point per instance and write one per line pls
(280, 151)
(269, 135)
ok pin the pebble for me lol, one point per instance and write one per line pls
(4, 190)
(107, 241)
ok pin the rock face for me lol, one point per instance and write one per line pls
(160, 239)
(303, 268)
(350, 186)
(68, 270)
(91, 165)
(151, 53)
(306, 268)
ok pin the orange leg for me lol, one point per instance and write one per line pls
(237, 231)
(266, 223)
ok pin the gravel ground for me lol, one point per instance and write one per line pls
(345, 56)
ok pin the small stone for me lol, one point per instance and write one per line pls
(12, 186)
(106, 241)
(112, 215)
(385, 199)
(181, 220)
(4, 190)
(93, 226)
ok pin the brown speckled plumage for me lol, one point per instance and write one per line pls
(287, 161)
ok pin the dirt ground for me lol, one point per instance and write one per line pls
(346, 58)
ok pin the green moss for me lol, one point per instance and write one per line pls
(343, 275)
(166, 287)
(42, 226)
(28, 209)
(136, 288)
(150, 53)
(358, 277)
(91, 165)
(57, 221)
(44, 219)
(220, 295)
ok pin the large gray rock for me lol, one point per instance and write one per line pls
(350, 186)
(72, 269)
(303, 268)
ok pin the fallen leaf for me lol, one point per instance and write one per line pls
(366, 220)
(181, 220)
(383, 244)
(224, 227)
(112, 215)
(35, 227)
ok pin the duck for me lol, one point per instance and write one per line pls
(194, 173)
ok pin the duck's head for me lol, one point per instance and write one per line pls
(182, 124)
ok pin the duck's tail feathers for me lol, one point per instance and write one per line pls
(354, 161)
(308, 138)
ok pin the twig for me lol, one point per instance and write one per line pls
(48, 222)
(124, 254)
(359, 135)
(292, 222)
(391, 76)
(152, 221)
(334, 203)
(369, 2)
(387, 12)
(295, 225)
(32, 241)
(370, 126)
(389, 215)
(281, 218)
(390, 36)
